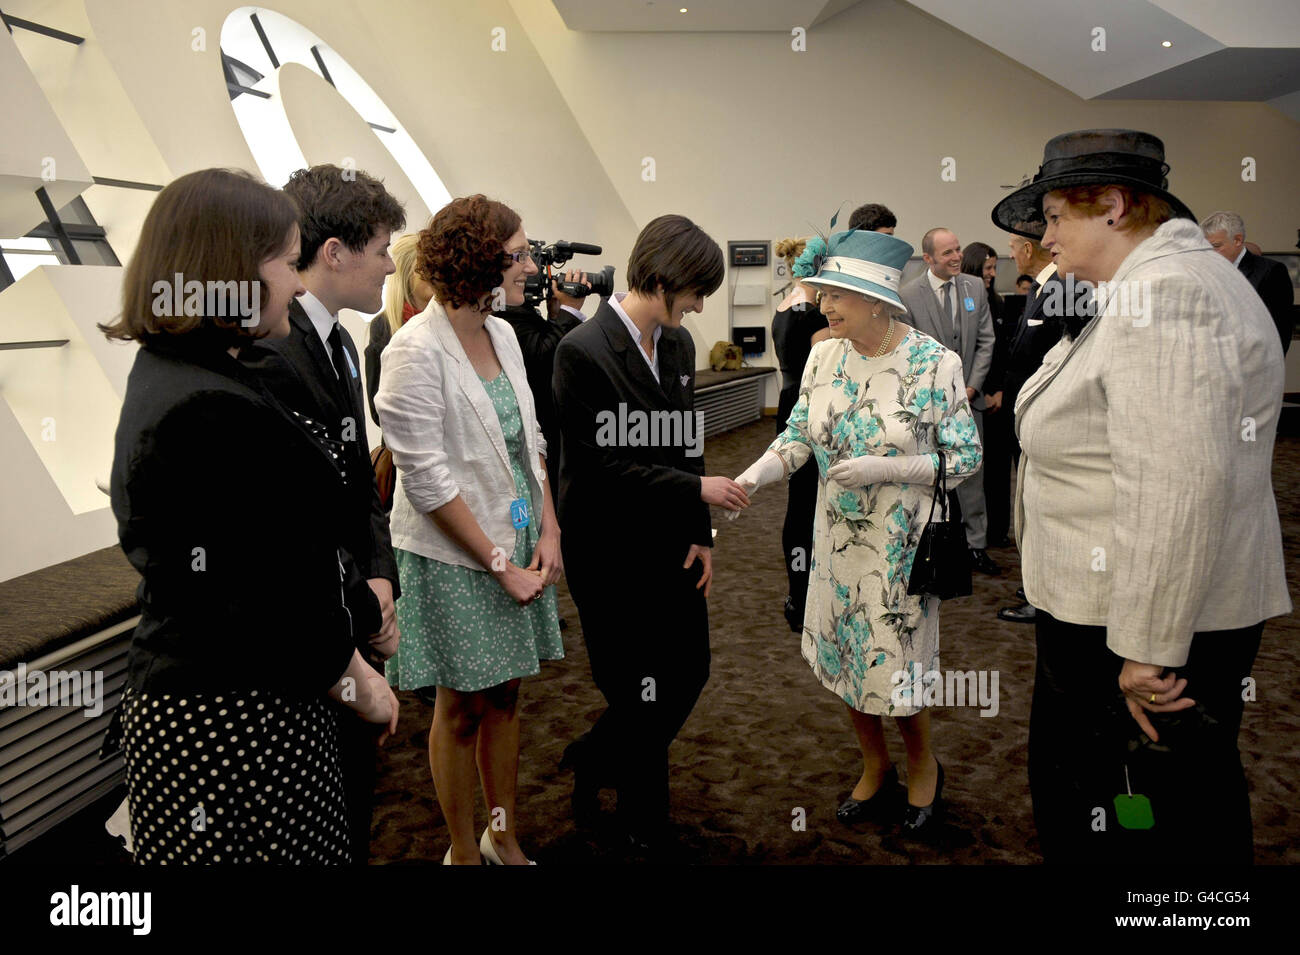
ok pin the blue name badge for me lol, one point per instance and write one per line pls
(969, 303)
(519, 512)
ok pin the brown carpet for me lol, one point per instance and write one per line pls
(767, 740)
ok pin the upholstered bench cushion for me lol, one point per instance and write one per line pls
(51, 608)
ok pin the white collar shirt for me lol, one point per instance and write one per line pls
(653, 358)
(321, 320)
(937, 285)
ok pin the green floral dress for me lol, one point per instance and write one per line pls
(460, 629)
(861, 630)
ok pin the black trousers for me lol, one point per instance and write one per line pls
(998, 439)
(1081, 738)
(647, 637)
(797, 532)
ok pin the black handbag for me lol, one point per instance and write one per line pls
(941, 567)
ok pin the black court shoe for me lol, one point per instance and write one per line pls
(917, 817)
(793, 615)
(853, 811)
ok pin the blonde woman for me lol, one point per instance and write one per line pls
(797, 326)
(405, 295)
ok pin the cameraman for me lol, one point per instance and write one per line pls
(537, 340)
(565, 310)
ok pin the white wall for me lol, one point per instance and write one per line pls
(750, 139)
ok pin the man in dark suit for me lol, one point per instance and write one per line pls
(347, 218)
(953, 309)
(1226, 232)
(1034, 335)
(634, 506)
(538, 338)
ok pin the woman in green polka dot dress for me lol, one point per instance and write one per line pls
(474, 527)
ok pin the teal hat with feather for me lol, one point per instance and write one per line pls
(867, 262)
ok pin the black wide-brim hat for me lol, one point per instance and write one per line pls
(1089, 157)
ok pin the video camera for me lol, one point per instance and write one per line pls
(538, 287)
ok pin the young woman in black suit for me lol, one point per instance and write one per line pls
(634, 505)
(231, 750)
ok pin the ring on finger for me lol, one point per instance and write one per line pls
(1153, 698)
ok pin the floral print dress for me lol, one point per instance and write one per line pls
(862, 631)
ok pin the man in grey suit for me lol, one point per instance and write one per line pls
(953, 309)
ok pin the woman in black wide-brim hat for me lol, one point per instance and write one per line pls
(1144, 513)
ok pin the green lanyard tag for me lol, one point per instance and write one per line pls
(1133, 812)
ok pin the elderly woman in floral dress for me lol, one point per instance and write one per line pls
(878, 404)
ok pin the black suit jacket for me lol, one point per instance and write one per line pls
(1031, 341)
(1273, 283)
(538, 339)
(298, 371)
(240, 583)
(641, 501)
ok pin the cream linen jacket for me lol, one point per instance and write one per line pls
(446, 440)
(1144, 502)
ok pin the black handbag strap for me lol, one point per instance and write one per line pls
(940, 493)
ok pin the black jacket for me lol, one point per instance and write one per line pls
(1273, 283)
(218, 495)
(1030, 341)
(642, 501)
(538, 339)
(298, 371)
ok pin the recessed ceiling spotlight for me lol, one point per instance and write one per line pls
(1166, 43)
(682, 10)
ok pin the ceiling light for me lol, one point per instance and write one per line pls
(1166, 43)
(682, 10)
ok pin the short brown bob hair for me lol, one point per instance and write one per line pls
(214, 226)
(462, 252)
(675, 253)
(1143, 210)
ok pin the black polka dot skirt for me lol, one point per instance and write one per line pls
(244, 777)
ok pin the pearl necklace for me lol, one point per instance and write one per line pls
(889, 337)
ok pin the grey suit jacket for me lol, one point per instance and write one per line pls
(977, 336)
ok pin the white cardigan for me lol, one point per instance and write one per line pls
(446, 440)
(1144, 502)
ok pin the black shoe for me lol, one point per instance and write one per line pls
(585, 801)
(918, 817)
(980, 560)
(853, 811)
(1025, 613)
(1020, 594)
(793, 615)
(1000, 543)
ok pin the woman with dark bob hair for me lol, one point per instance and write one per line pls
(635, 505)
(1144, 514)
(474, 528)
(231, 748)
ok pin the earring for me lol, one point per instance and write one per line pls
(1110, 222)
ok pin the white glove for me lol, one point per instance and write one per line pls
(766, 470)
(880, 469)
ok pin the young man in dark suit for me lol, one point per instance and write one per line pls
(1226, 232)
(346, 221)
(634, 505)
